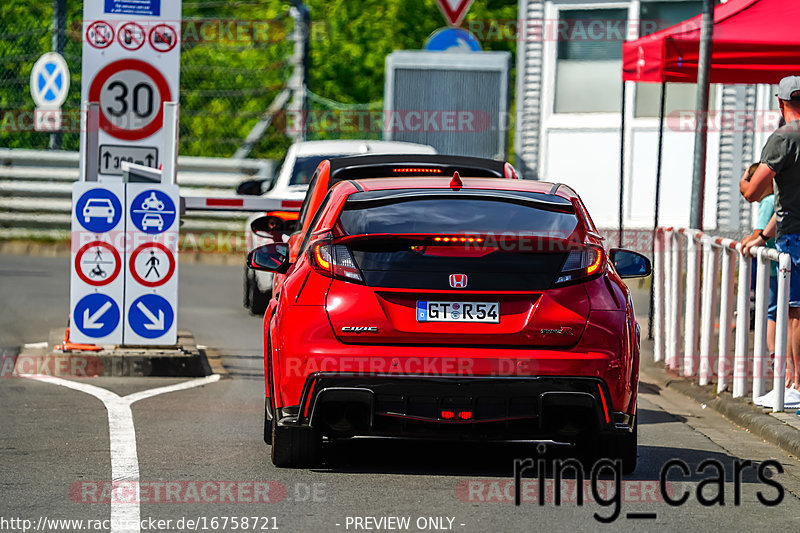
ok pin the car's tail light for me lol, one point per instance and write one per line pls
(582, 263)
(334, 260)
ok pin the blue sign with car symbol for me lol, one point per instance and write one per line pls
(98, 210)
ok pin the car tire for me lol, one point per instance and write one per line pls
(259, 301)
(267, 422)
(623, 448)
(295, 446)
(247, 281)
(627, 448)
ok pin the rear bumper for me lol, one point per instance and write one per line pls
(563, 409)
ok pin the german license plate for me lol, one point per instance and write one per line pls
(458, 312)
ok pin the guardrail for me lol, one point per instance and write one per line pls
(36, 191)
(707, 285)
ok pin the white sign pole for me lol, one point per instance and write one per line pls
(170, 165)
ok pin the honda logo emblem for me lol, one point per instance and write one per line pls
(458, 281)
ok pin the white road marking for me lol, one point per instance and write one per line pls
(122, 436)
(35, 345)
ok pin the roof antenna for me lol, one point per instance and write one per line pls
(456, 182)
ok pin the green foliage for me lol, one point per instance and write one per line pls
(229, 79)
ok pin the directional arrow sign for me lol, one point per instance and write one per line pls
(90, 321)
(96, 315)
(150, 317)
(112, 156)
(155, 323)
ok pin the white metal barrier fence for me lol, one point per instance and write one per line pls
(709, 285)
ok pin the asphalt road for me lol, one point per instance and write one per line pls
(55, 458)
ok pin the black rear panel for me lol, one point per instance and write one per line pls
(399, 263)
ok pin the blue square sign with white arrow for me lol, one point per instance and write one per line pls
(96, 316)
(151, 316)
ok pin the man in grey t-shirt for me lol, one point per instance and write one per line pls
(780, 170)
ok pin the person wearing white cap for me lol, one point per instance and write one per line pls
(779, 169)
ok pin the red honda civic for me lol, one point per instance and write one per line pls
(449, 308)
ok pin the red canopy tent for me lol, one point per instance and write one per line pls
(755, 41)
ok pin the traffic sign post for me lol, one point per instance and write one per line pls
(97, 285)
(131, 66)
(151, 280)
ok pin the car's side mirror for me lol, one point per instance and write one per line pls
(273, 257)
(630, 264)
(269, 225)
(251, 187)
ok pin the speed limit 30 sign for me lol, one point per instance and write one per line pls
(131, 77)
(131, 95)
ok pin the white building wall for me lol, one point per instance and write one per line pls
(582, 149)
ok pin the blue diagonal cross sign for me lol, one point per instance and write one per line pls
(150, 316)
(96, 315)
(50, 81)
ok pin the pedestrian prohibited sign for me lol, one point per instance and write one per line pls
(152, 212)
(152, 264)
(98, 263)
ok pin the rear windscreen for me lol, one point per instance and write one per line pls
(454, 216)
(424, 263)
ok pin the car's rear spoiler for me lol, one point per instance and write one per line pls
(394, 165)
(550, 202)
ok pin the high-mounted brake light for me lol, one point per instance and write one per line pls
(582, 263)
(417, 170)
(462, 415)
(458, 239)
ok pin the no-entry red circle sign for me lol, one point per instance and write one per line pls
(154, 272)
(100, 266)
(132, 93)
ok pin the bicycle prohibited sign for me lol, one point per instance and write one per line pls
(98, 263)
